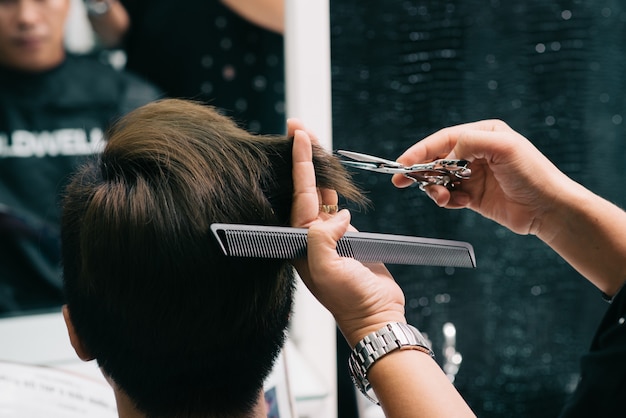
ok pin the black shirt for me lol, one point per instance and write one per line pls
(49, 123)
(602, 386)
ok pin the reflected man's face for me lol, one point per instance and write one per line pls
(32, 33)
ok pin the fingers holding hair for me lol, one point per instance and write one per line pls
(309, 201)
(306, 197)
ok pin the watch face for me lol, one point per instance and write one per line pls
(359, 378)
(361, 383)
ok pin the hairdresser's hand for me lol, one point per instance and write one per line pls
(361, 298)
(512, 183)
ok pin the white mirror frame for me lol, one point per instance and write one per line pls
(308, 97)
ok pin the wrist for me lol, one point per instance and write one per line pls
(355, 330)
(392, 337)
(564, 207)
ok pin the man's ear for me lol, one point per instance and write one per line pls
(79, 347)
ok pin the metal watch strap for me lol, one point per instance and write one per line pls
(393, 336)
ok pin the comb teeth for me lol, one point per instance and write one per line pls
(265, 244)
(258, 241)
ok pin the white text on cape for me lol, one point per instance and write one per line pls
(60, 142)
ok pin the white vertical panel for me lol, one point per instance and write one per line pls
(308, 96)
(307, 54)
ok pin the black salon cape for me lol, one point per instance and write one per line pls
(49, 123)
(602, 387)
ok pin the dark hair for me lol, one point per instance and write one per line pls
(183, 330)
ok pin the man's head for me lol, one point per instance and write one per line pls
(181, 329)
(32, 34)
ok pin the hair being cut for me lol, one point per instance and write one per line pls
(183, 330)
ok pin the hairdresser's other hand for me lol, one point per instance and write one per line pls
(361, 298)
(512, 183)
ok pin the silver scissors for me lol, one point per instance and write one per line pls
(448, 173)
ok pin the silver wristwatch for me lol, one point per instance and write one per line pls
(393, 336)
(97, 8)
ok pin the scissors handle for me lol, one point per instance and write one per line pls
(445, 172)
(448, 173)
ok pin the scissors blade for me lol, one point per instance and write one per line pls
(374, 167)
(365, 158)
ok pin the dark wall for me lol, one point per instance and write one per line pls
(553, 70)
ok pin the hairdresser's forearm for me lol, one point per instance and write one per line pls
(590, 233)
(111, 26)
(409, 383)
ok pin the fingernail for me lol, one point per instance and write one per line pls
(342, 214)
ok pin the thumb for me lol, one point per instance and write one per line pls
(323, 237)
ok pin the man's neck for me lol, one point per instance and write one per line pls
(36, 67)
(126, 408)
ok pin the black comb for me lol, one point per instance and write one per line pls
(259, 241)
